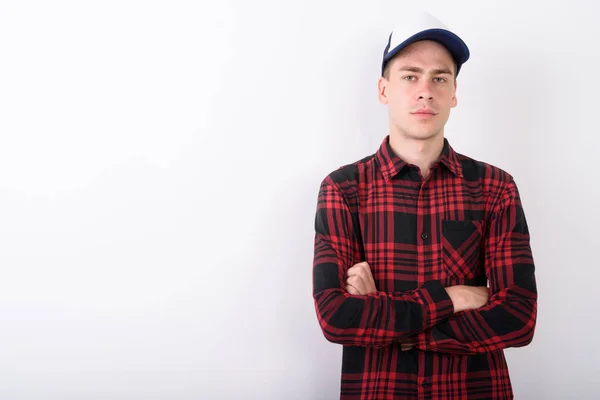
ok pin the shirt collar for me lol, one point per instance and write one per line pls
(391, 164)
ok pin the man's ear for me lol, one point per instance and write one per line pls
(454, 99)
(381, 90)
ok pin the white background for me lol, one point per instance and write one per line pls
(160, 163)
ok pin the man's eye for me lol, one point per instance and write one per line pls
(439, 80)
(409, 77)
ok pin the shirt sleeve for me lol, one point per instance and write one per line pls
(509, 318)
(378, 319)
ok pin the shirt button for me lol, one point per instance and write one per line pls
(424, 236)
(425, 384)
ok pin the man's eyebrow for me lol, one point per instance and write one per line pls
(437, 71)
(441, 71)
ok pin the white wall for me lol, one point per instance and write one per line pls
(160, 165)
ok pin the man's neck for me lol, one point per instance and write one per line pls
(422, 153)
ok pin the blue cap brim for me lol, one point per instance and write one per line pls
(455, 45)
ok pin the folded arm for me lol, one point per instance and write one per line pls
(509, 318)
(376, 319)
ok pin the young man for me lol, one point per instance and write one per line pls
(422, 268)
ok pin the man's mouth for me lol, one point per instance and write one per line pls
(424, 111)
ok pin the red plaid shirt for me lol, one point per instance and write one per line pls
(464, 225)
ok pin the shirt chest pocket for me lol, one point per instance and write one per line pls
(461, 248)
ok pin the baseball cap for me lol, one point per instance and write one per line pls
(424, 26)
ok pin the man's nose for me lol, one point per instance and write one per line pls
(424, 90)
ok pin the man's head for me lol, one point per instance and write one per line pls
(419, 70)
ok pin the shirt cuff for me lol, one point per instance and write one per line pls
(437, 305)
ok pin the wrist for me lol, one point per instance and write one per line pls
(459, 300)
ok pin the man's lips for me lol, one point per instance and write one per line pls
(424, 111)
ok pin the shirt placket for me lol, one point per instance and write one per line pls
(423, 243)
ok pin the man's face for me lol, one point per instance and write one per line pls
(420, 91)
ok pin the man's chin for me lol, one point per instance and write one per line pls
(427, 135)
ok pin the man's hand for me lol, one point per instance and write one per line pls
(359, 279)
(467, 297)
(406, 346)
(463, 298)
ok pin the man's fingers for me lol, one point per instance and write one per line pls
(361, 269)
(356, 283)
(354, 270)
(354, 280)
(406, 346)
(351, 289)
(359, 276)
